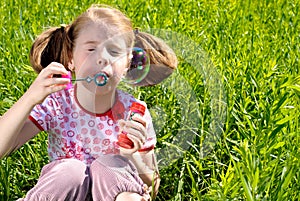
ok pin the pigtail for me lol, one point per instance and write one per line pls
(50, 46)
(163, 60)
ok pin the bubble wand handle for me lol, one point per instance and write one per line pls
(87, 79)
(135, 109)
(100, 79)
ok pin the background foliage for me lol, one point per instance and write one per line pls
(255, 47)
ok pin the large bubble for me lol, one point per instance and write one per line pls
(196, 116)
(188, 120)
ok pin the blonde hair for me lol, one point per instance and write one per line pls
(56, 44)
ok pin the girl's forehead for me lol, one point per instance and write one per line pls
(101, 29)
(101, 32)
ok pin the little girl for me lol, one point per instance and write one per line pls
(83, 121)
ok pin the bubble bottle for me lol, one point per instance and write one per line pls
(135, 109)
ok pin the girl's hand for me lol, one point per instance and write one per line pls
(46, 84)
(136, 132)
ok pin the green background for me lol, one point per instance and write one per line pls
(254, 45)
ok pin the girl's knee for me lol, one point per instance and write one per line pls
(68, 171)
(61, 180)
(112, 175)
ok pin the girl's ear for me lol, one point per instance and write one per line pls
(71, 65)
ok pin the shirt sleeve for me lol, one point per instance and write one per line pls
(42, 114)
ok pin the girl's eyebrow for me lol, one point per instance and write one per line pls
(90, 42)
(109, 43)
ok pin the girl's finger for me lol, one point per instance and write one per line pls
(137, 134)
(52, 69)
(56, 88)
(135, 125)
(136, 141)
(139, 119)
(49, 82)
(121, 123)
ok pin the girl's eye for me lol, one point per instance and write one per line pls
(115, 53)
(90, 48)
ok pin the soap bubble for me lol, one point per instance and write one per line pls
(139, 67)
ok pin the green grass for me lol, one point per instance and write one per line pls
(255, 48)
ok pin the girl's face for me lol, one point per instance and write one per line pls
(100, 48)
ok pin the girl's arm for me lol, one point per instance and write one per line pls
(144, 161)
(14, 124)
(15, 128)
(146, 164)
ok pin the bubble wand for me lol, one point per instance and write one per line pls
(100, 79)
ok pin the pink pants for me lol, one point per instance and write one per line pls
(72, 180)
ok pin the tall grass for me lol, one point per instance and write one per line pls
(255, 48)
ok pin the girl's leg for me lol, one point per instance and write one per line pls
(65, 179)
(114, 175)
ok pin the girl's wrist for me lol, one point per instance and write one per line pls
(28, 100)
(144, 165)
(127, 153)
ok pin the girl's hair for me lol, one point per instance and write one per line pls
(163, 60)
(56, 44)
(48, 47)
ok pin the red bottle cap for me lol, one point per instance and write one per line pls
(138, 107)
(124, 141)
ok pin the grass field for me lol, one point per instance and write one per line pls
(253, 45)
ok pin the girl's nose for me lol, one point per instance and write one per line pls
(103, 58)
(102, 62)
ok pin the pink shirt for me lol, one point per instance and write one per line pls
(74, 132)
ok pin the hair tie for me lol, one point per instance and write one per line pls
(136, 31)
(62, 28)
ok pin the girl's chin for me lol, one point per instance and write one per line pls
(99, 90)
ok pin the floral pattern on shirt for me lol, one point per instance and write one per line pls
(76, 133)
